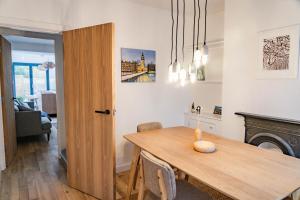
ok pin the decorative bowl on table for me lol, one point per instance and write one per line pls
(202, 145)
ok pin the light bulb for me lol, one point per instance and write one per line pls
(182, 75)
(175, 71)
(193, 77)
(204, 60)
(197, 58)
(204, 53)
(192, 72)
(178, 66)
(175, 77)
(171, 73)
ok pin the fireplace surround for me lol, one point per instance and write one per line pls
(272, 133)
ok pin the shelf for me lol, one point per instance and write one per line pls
(205, 115)
(209, 82)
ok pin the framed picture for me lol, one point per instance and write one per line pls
(138, 65)
(218, 110)
(278, 53)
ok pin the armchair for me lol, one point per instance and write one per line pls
(30, 123)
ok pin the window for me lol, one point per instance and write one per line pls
(30, 80)
(52, 79)
(39, 80)
(22, 80)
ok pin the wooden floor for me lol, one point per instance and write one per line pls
(36, 173)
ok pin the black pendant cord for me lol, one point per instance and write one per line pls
(205, 22)
(172, 40)
(194, 30)
(177, 31)
(183, 30)
(199, 15)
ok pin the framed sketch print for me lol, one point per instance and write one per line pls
(278, 53)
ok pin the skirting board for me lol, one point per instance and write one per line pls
(123, 167)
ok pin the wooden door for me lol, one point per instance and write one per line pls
(89, 90)
(8, 113)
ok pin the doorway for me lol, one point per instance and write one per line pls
(34, 86)
(85, 86)
(37, 77)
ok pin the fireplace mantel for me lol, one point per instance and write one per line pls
(264, 117)
(285, 133)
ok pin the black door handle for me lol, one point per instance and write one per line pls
(105, 112)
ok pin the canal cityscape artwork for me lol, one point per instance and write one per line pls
(138, 65)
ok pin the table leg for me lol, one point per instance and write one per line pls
(142, 186)
(133, 170)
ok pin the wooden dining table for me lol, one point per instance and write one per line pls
(238, 170)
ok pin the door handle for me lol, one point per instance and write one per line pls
(105, 112)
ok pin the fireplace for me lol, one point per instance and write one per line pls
(272, 133)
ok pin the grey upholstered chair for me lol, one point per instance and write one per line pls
(158, 179)
(149, 126)
(134, 168)
(30, 123)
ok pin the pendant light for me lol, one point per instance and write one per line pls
(197, 58)
(177, 66)
(182, 74)
(204, 49)
(172, 39)
(192, 67)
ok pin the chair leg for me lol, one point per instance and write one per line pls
(182, 176)
(133, 170)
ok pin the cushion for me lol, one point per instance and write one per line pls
(46, 124)
(151, 165)
(17, 101)
(184, 191)
(24, 104)
(16, 107)
(149, 126)
(45, 114)
(24, 108)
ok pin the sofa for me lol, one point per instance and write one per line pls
(30, 122)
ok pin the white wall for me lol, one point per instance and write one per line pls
(40, 15)
(138, 26)
(241, 90)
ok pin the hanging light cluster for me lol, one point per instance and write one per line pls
(199, 57)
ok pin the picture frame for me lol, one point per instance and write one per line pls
(218, 110)
(138, 65)
(278, 53)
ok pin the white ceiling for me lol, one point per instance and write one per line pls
(213, 6)
(21, 39)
